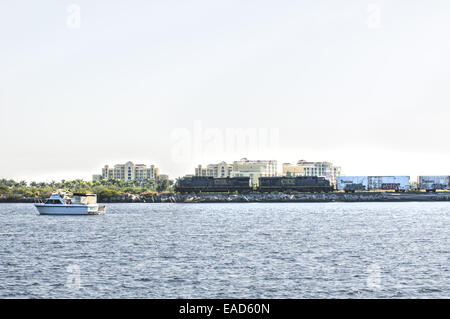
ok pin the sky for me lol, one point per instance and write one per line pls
(363, 84)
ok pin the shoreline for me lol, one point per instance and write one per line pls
(264, 198)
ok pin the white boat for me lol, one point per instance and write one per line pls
(78, 204)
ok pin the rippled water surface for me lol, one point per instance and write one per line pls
(292, 250)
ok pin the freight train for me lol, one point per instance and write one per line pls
(312, 184)
(350, 184)
(196, 184)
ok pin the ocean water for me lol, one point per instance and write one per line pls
(253, 250)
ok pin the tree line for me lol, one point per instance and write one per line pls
(103, 188)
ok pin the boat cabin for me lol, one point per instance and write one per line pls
(84, 199)
(77, 199)
(56, 199)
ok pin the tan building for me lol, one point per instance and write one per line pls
(254, 169)
(304, 168)
(244, 167)
(221, 169)
(162, 177)
(128, 172)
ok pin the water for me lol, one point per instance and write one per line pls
(292, 250)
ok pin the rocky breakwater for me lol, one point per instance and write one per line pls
(131, 198)
(279, 197)
(256, 197)
(16, 199)
(312, 197)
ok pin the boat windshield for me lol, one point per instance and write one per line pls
(53, 201)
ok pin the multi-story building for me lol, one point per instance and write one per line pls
(244, 167)
(163, 177)
(97, 177)
(221, 169)
(128, 172)
(254, 169)
(304, 168)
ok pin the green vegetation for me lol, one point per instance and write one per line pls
(104, 188)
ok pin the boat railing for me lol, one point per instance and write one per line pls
(38, 201)
(101, 209)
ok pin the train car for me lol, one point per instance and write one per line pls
(299, 184)
(350, 184)
(433, 183)
(396, 183)
(204, 184)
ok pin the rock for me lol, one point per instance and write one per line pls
(189, 200)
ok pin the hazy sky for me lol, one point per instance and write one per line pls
(364, 84)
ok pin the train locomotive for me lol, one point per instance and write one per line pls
(311, 184)
(205, 184)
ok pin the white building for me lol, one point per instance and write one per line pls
(128, 172)
(221, 169)
(254, 169)
(243, 168)
(304, 168)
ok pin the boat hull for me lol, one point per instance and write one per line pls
(45, 209)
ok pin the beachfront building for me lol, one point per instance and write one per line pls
(254, 169)
(244, 167)
(221, 169)
(304, 168)
(163, 177)
(128, 172)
